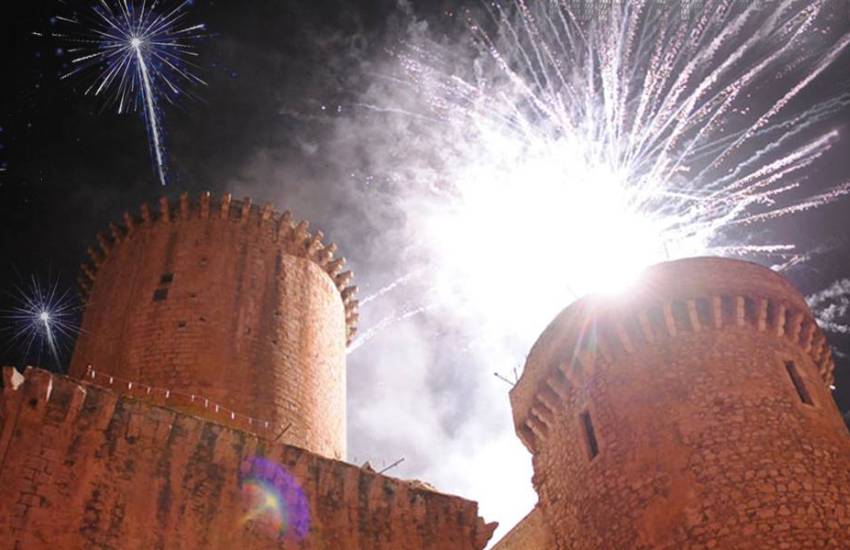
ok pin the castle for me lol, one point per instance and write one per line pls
(205, 407)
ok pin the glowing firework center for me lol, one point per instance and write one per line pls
(524, 206)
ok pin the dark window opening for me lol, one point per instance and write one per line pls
(798, 383)
(590, 435)
(166, 278)
(160, 294)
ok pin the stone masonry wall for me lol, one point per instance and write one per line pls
(696, 457)
(82, 467)
(671, 421)
(228, 301)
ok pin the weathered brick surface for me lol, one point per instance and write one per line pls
(227, 301)
(703, 440)
(83, 467)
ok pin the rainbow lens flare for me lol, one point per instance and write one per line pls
(274, 502)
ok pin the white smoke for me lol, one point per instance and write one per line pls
(375, 166)
(831, 307)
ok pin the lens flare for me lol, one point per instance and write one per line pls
(273, 500)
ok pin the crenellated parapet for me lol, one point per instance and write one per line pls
(189, 403)
(293, 237)
(700, 295)
(87, 466)
(692, 411)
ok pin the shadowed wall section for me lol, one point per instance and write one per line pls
(693, 413)
(83, 467)
(227, 301)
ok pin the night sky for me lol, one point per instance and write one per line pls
(283, 82)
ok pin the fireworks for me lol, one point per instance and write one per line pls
(576, 148)
(44, 319)
(139, 53)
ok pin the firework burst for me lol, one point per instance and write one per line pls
(44, 319)
(577, 148)
(140, 53)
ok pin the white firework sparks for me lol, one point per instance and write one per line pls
(44, 320)
(139, 52)
(578, 148)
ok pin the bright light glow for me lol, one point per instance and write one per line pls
(560, 153)
(135, 42)
(573, 223)
(44, 316)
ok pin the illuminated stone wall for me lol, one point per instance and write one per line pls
(694, 412)
(228, 301)
(84, 467)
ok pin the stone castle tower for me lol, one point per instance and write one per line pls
(205, 408)
(235, 304)
(205, 404)
(694, 413)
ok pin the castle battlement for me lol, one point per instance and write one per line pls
(694, 411)
(85, 467)
(194, 404)
(236, 312)
(293, 238)
(668, 304)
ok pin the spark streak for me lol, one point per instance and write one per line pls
(559, 153)
(152, 119)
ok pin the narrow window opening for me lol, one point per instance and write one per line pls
(160, 294)
(590, 435)
(802, 392)
(166, 278)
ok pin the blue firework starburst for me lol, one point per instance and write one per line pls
(42, 319)
(139, 53)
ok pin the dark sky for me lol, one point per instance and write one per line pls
(281, 75)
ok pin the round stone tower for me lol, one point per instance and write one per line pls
(693, 413)
(235, 308)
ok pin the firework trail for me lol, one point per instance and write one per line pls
(558, 151)
(43, 319)
(374, 330)
(139, 52)
(404, 279)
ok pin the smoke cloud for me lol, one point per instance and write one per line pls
(355, 157)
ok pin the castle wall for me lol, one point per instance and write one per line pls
(230, 302)
(84, 467)
(674, 423)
